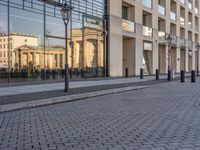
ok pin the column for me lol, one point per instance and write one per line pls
(115, 36)
(167, 58)
(186, 60)
(139, 38)
(178, 58)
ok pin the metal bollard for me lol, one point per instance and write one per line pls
(193, 77)
(70, 73)
(182, 76)
(54, 74)
(126, 73)
(169, 75)
(141, 73)
(96, 71)
(82, 73)
(157, 74)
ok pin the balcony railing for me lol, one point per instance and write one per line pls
(161, 35)
(161, 10)
(189, 6)
(196, 11)
(197, 28)
(173, 16)
(190, 25)
(182, 21)
(182, 41)
(128, 26)
(174, 38)
(183, 2)
(189, 44)
(147, 31)
(147, 3)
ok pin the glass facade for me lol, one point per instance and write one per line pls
(32, 40)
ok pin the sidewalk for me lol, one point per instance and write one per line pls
(59, 85)
(29, 96)
(14, 90)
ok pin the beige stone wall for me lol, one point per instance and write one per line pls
(120, 48)
(16, 40)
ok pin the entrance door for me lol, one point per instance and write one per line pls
(182, 59)
(129, 55)
(190, 63)
(147, 62)
(162, 59)
(196, 59)
(174, 59)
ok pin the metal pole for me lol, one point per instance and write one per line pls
(66, 60)
(197, 62)
(44, 40)
(169, 63)
(106, 39)
(8, 40)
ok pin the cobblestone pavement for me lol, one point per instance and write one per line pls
(165, 117)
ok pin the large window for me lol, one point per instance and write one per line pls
(3, 39)
(35, 48)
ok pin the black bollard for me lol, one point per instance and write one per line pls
(54, 74)
(169, 75)
(42, 74)
(126, 73)
(70, 73)
(96, 71)
(182, 76)
(157, 74)
(193, 80)
(82, 73)
(47, 74)
(141, 73)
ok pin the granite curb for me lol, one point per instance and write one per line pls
(62, 99)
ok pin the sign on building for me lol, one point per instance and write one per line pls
(91, 21)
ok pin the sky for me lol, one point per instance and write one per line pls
(30, 23)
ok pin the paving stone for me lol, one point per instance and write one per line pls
(158, 118)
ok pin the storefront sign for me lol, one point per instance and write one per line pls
(90, 21)
(55, 2)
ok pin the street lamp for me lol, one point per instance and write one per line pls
(19, 57)
(198, 48)
(66, 13)
(169, 42)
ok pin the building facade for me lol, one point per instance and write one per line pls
(138, 35)
(32, 37)
(106, 37)
(16, 40)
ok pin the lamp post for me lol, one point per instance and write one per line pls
(19, 57)
(66, 12)
(198, 48)
(169, 42)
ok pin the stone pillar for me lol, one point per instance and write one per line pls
(115, 37)
(155, 52)
(41, 60)
(186, 60)
(34, 60)
(58, 60)
(16, 61)
(178, 62)
(167, 58)
(139, 38)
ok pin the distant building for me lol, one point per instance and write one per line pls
(16, 40)
(53, 57)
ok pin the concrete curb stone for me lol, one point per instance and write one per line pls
(69, 98)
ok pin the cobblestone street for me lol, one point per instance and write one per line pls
(163, 117)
